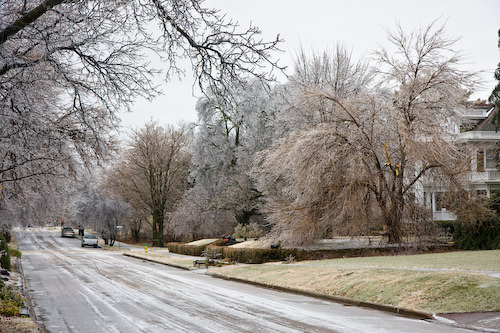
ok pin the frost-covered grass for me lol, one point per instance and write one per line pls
(18, 324)
(392, 280)
(252, 244)
(460, 260)
(202, 242)
(165, 258)
(113, 248)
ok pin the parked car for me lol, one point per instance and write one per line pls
(89, 240)
(67, 232)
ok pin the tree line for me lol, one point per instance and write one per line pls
(341, 148)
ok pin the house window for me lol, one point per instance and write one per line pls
(426, 200)
(481, 193)
(465, 156)
(442, 201)
(490, 159)
(480, 160)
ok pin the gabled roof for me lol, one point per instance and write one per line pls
(487, 123)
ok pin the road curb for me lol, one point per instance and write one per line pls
(337, 299)
(27, 296)
(28, 307)
(156, 261)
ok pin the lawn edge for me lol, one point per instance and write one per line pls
(336, 299)
(132, 255)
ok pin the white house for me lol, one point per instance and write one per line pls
(476, 132)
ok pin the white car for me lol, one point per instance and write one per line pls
(89, 240)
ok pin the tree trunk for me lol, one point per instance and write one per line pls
(158, 228)
(394, 218)
(243, 216)
(393, 229)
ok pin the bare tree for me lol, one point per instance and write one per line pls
(361, 168)
(67, 68)
(101, 212)
(191, 220)
(334, 71)
(37, 204)
(153, 172)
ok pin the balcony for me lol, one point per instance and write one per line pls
(479, 136)
(484, 176)
(475, 114)
(480, 112)
(443, 215)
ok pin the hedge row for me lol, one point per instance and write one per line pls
(258, 256)
(181, 248)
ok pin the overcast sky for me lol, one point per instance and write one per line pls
(360, 24)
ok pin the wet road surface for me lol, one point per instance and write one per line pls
(74, 289)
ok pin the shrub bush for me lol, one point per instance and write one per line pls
(6, 234)
(448, 226)
(15, 253)
(181, 248)
(259, 256)
(5, 254)
(484, 236)
(251, 230)
(11, 301)
(224, 242)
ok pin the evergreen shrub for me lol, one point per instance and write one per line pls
(5, 254)
(11, 301)
(448, 226)
(15, 253)
(484, 236)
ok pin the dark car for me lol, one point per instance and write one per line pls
(67, 232)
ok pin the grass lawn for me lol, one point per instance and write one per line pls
(400, 281)
(460, 260)
(18, 324)
(202, 242)
(166, 259)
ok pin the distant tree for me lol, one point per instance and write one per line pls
(113, 212)
(228, 135)
(139, 222)
(359, 167)
(37, 203)
(335, 71)
(244, 231)
(495, 98)
(495, 94)
(152, 173)
(101, 212)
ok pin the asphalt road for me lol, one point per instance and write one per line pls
(74, 289)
